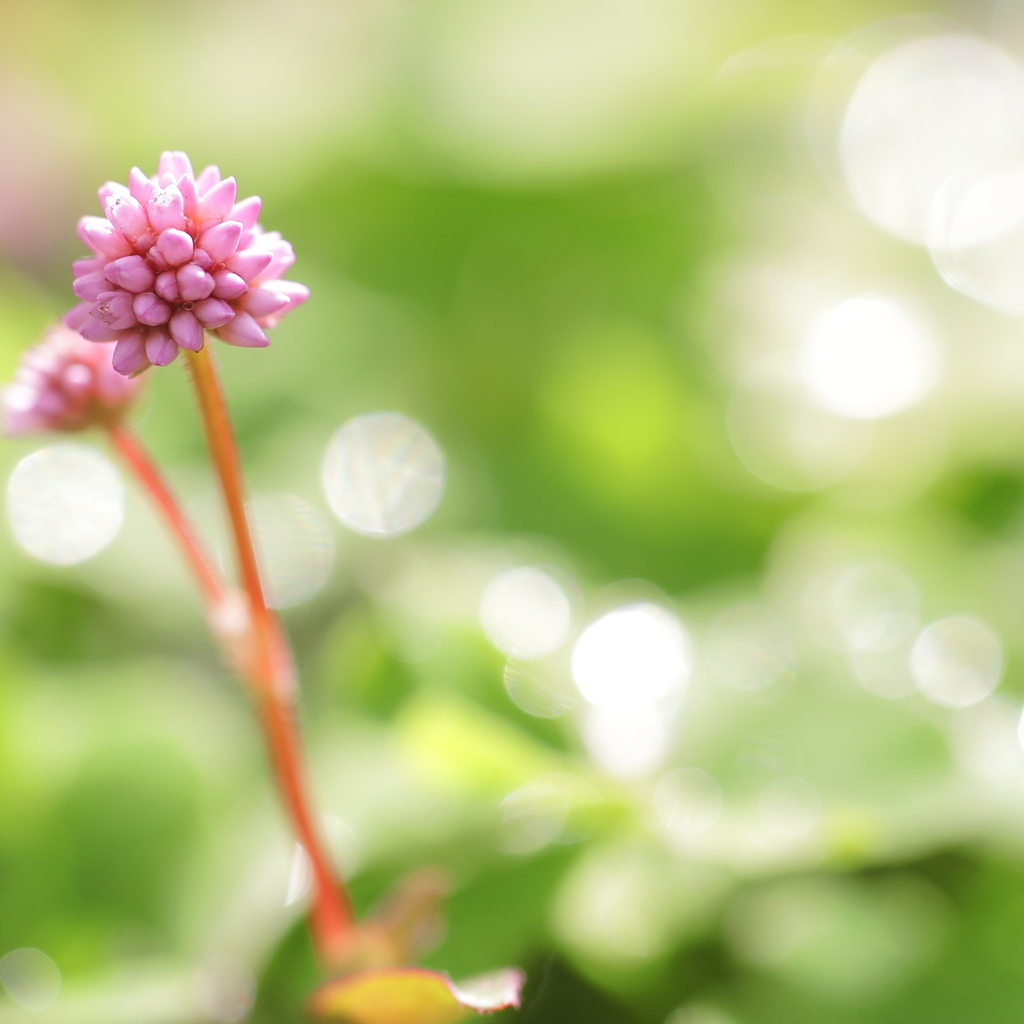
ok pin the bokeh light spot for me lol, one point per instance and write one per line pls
(868, 357)
(956, 661)
(383, 474)
(65, 503)
(525, 613)
(30, 978)
(687, 800)
(748, 647)
(922, 113)
(632, 658)
(295, 548)
(789, 807)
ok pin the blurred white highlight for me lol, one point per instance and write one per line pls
(956, 661)
(784, 437)
(789, 807)
(300, 876)
(687, 800)
(535, 693)
(868, 357)
(383, 474)
(626, 743)
(976, 235)
(525, 613)
(748, 647)
(65, 503)
(295, 548)
(874, 607)
(632, 658)
(536, 814)
(30, 978)
(923, 113)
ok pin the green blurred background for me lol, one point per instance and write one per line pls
(557, 234)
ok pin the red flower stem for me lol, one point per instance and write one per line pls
(134, 453)
(269, 669)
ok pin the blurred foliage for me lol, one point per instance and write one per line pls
(523, 225)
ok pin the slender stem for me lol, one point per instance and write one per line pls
(134, 453)
(270, 669)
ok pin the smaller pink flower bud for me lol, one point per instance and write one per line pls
(89, 286)
(130, 353)
(161, 348)
(247, 212)
(208, 177)
(128, 215)
(150, 310)
(175, 246)
(186, 330)
(100, 236)
(132, 273)
(221, 241)
(114, 308)
(216, 204)
(166, 209)
(243, 331)
(175, 163)
(139, 186)
(227, 285)
(194, 283)
(65, 383)
(248, 264)
(213, 313)
(167, 286)
(260, 302)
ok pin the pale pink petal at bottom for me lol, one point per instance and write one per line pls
(413, 995)
(130, 353)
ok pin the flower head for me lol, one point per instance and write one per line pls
(175, 255)
(65, 383)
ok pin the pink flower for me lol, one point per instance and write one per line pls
(175, 255)
(65, 383)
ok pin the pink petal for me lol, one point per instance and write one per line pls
(189, 196)
(97, 330)
(194, 283)
(132, 273)
(228, 285)
(150, 310)
(174, 163)
(213, 313)
(130, 354)
(186, 330)
(90, 286)
(87, 265)
(413, 995)
(208, 177)
(140, 187)
(260, 302)
(128, 215)
(166, 209)
(221, 240)
(175, 246)
(99, 234)
(216, 204)
(167, 286)
(77, 316)
(113, 308)
(109, 190)
(161, 348)
(244, 332)
(247, 212)
(247, 265)
(202, 259)
(297, 293)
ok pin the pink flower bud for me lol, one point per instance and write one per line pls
(175, 255)
(65, 383)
